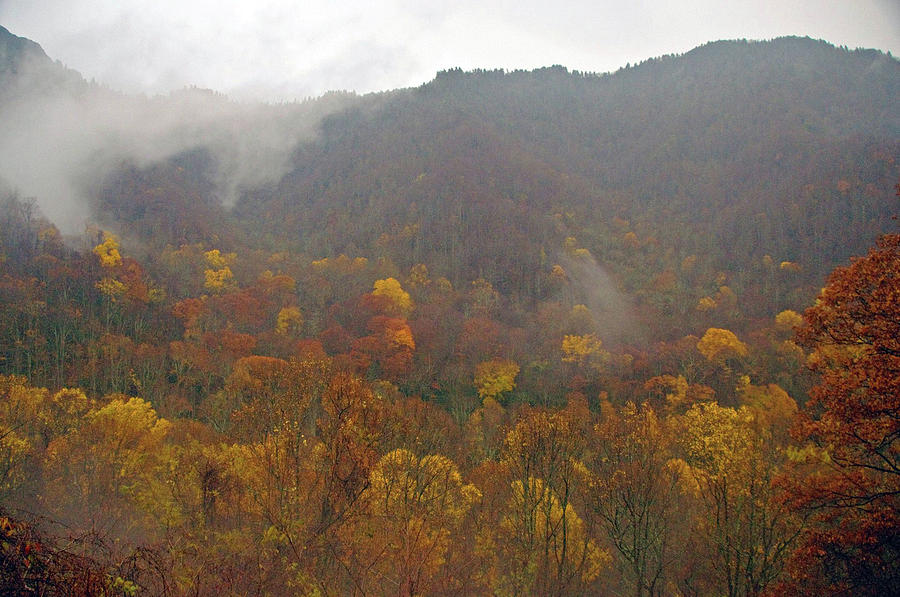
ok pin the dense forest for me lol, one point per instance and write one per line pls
(507, 333)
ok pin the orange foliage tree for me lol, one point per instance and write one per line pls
(390, 347)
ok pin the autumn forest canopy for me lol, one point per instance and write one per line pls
(506, 333)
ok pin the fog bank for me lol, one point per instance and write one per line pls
(60, 136)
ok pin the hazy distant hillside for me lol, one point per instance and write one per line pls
(733, 151)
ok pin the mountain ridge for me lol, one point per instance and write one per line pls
(14, 49)
(25, 69)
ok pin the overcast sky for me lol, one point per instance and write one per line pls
(289, 49)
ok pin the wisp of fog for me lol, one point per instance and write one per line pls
(593, 287)
(58, 139)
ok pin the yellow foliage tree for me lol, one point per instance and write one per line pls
(416, 505)
(340, 265)
(496, 376)
(219, 260)
(398, 300)
(218, 279)
(586, 351)
(289, 321)
(558, 274)
(29, 419)
(718, 440)
(483, 430)
(418, 276)
(581, 349)
(399, 336)
(787, 320)
(111, 288)
(718, 344)
(540, 543)
(483, 298)
(742, 526)
(631, 240)
(636, 492)
(545, 445)
(706, 304)
(14, 452)
(105, 468)
(554, 550)
(773, 408)
(108, 251)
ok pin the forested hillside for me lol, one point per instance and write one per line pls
(504, 333)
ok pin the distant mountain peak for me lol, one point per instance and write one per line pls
(16, 51)
(26, 69)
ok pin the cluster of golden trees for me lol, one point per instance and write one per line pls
(322, 483)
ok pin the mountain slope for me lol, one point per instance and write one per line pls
(731, 153)
(734, 151)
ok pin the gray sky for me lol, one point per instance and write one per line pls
(291, 49)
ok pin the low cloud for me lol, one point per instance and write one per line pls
(57, 142)
(611, 309)
(284, 49)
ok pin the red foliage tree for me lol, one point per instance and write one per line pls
(851, 427)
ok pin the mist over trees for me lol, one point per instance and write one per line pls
(546, 332)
